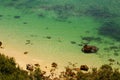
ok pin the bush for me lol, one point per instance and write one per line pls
(9, 71)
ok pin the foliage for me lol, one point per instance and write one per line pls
(10, 71)
(104, 73)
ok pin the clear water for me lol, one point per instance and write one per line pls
(47, 28)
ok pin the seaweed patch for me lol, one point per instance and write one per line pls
(89, 38)
(99, 12)
(110, 29)
(1, 15)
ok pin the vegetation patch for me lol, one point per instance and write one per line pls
(91, 38)
(10, 71)
(99, 12)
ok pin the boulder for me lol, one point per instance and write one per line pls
(54, 65)
(84, 67)
(29, 67)
(89, 49)
(37, 65)
(0, 43)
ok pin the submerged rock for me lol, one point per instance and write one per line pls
(48, 37)
(16, 17)
(28, 42)
(111, 60)
(89, 49)
(73, 42)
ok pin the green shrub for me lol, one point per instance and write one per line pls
(9, 71)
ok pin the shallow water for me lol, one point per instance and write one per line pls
(56, 30)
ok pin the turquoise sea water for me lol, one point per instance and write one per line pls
(56, 30)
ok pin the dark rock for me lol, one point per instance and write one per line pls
(26, 52)
(48, 37)
(84, 67)
(80, 45)
(0, 43)
(89, 49)
(87, 38)
(54, 65)
(37, 65)
(29, 67)
(111, 60)
(16, 17)
(28, 42)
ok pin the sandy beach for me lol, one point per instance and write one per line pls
(92, 60)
